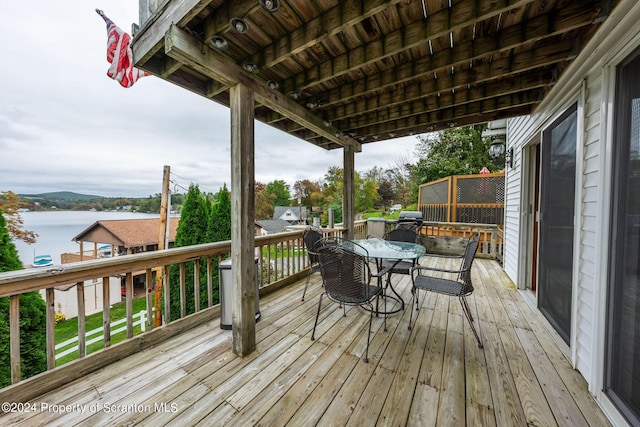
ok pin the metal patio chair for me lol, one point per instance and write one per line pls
(346, 277)
(460, 286)
(311, 237)
(400, 235)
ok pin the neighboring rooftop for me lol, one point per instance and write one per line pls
(127, 233)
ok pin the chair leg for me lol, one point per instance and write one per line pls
(467, 314)
(306, 285)
(414, 296)
(465, 307)
(313, 337)
(385, 310)
(366, 353)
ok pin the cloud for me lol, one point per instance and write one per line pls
(65, 126)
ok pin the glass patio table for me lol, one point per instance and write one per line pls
(380, 249)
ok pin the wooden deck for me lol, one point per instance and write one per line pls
(434, 374)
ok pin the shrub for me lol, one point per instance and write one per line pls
(59, 317)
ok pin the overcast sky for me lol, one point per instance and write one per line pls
(66, 126)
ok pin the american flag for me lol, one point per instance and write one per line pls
(119, 55)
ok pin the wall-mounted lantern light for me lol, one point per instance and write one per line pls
(508, 158)
(498, 148)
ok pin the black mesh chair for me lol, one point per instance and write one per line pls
(346, 277)
(311, 237)
(459, 284)
(400, 235)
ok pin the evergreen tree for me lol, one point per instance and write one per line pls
(192, 230)
(220, 224)
(33, 353)
(219, 231)
(280, 190)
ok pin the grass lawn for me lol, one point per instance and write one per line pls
(69, 328)
(391, 216)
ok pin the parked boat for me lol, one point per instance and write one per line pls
(42, 260)
(104, 251)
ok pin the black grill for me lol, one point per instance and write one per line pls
(410, 219)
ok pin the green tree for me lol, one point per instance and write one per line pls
(280, 190)
(263, 202)
(192, 230)
(9, 204)
(366, 194)
(33, 352)
(333, 184)
(308, 192)
(219, 231)
(457, 151)
(386, 194)
(220, 224)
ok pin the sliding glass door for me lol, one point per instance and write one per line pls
(557, 200)
(623, 337)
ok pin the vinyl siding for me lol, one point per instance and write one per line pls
(622, 35)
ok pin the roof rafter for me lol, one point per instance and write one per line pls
(567, 19)
(183, 47)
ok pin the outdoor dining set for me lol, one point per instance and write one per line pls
(359, 272)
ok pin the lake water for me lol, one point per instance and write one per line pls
(55, 230)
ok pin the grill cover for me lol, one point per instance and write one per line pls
(410, 216)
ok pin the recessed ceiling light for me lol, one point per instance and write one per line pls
(250, 67)
(219, 42)
(239, 25)
(270, 5)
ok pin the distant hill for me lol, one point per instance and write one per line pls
(60, 195)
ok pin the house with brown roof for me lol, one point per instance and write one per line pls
(126, 236)
(119, 237)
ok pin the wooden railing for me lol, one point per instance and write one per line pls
(450, 237)
(282, 260)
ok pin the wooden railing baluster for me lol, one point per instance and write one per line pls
(82, 345)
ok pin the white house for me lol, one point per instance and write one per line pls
(66, 297)
(572, 212)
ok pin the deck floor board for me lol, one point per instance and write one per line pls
(432, 374)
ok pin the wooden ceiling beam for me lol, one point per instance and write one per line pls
(506, 85)
(169, 67)
(389, 80)
(148, 42)
(337, 19)
(382, 108)
(434, 102)
(481, 75)
(564, 20)
(186, 49)
(441, 124)
(521, 67)
(450, 114)
(441, 23)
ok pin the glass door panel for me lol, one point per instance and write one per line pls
(623, 339)
(557, 200)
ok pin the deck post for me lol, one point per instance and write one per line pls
(242, 220)
(348, 204)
